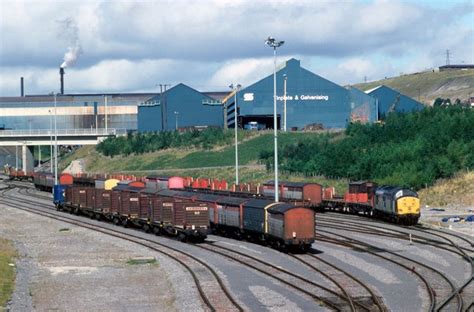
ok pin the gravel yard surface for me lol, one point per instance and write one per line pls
(67, 268)
(433, 216)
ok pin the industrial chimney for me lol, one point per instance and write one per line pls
(61, 73)
(22, 88)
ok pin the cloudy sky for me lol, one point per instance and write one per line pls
(133, 46)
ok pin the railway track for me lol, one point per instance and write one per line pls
(340, 301)
(393, 234)
(213, 292)
(463, 241)
(444, 240)
(439, 288)
(382, 229)
(350, 285)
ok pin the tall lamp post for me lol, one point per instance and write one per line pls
(284, 101)
(273, 43)
(50, 140)
(176, 119)
(236, 89)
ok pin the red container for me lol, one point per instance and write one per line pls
(137, 184)
(66, 179)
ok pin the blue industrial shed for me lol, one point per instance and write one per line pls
(179, 107)
(390, 100)
(310, 99)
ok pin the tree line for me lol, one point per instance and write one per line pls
(139, 143)
(411, 150)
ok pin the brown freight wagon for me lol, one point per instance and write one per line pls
(90, 198)
(298, 193)
(291, 225)
(102, 200)
(190, 219)
(79, 196)
(115, 201)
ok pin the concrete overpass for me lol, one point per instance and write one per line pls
(16, 146)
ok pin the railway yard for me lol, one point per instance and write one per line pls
(69, 262)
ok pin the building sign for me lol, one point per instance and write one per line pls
(248, 97)
(304, 97)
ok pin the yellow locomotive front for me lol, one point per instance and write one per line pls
(397, 204)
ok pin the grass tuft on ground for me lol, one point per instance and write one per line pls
(7, 271)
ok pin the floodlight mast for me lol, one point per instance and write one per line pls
(236, 89)
(273, 43)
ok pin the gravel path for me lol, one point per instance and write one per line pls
(93, 275)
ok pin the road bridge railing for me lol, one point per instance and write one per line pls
(62, 132)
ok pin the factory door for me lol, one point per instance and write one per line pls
(259, 122)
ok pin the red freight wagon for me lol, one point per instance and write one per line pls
(292, 225)
(301, 193)
(360, 192)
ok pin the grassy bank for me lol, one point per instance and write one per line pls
(7, 272)
(428, 86)
(458, 191)
(182, 158)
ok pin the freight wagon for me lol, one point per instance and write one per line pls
(282, 225)
(301, 193)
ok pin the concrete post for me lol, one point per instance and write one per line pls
(23, 157)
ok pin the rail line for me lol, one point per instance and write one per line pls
(286, 277)
(213, 292)
(461, 291)
(388, 231)
(332, 272)
(418, 227)
(439, 285)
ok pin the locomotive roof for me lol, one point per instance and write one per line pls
(392, 190)
(287, 183)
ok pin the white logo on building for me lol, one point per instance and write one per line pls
(248, 97)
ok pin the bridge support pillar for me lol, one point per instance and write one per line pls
(27, 159)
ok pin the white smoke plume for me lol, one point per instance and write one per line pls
(70, 32)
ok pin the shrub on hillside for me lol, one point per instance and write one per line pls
(139, 143)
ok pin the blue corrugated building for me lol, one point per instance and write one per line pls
(310, 100)
(390, 100)
(180, 107)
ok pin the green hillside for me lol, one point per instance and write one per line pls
(427, 86)
(185, 158)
